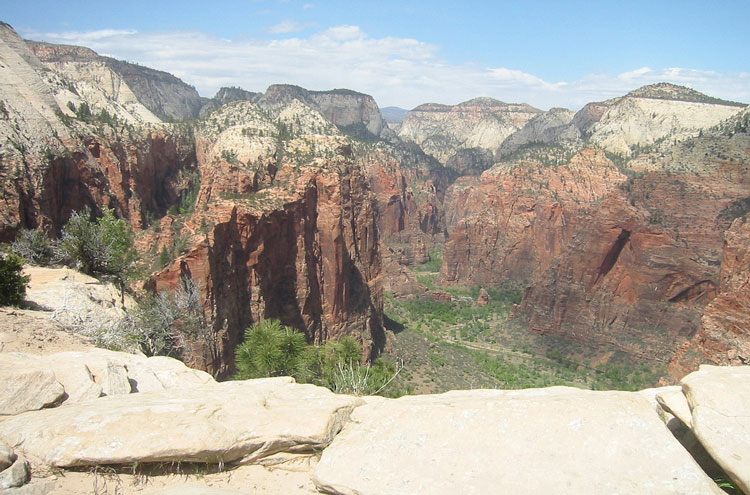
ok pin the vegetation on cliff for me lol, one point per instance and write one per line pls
(273, 349)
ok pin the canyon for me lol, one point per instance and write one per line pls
(624, 224)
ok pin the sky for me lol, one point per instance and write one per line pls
(408, 52)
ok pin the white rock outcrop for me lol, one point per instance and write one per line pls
(441, 130)
(539, 441)
(26, 389)
(29, 382)
(719, 399)
(643, 121)
(240, 421)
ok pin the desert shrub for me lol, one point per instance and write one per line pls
(35, 247)
(99, 247)
(12, 280)
(168, 322)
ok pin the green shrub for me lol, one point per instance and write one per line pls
(272, 349)
(12, 281)
(103, 247)
(35, 247)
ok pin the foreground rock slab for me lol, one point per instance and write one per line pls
(719, 399)
(558, 440)
(23, 389)
(224, 422)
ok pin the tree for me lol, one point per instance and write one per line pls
(12, 281)
(270, 349)
(103, 247)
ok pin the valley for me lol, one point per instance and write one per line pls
(483, 244)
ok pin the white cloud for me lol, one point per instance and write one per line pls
(286, 26)
(396, 71)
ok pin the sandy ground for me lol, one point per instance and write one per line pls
(239, 480)
(23, 330)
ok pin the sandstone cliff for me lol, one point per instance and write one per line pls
(285, 227)
(657, 112)
(548, 127)
(284, 223)
(166, 96)
(353, 112)
(511, 222)
(724, 336)
(227, 95)
(55, 161)
(639, 270)
(482, 123)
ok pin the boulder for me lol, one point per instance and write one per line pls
(122, 372)
(75, 377)
(719, 399)
(26, 389)
(674, 401)
(558, 440)
(221, 422)
(16, 475)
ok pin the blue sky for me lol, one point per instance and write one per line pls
(407, 52)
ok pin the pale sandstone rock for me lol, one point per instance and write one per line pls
(73, 375)
(23, 389)
(719, 399)
(483, 123)
(87, 375)
(115, 380)
(149, 374)
(232, 421)
(16, 475)
(6, 455)
(642, 121)
(76, 379)
(174, 374)
(675, 402)
(557, 440)
(651, 393)
(143, 379)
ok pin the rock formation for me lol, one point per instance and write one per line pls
(723, 338)
(54, 164)
(290, 229)
(166, 96)
(353, 112)
(511, 222)
(227, 95)
(656, 112)
(548, 127)
(481, 123)
(285, 226)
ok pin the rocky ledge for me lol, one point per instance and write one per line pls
(556, 440)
